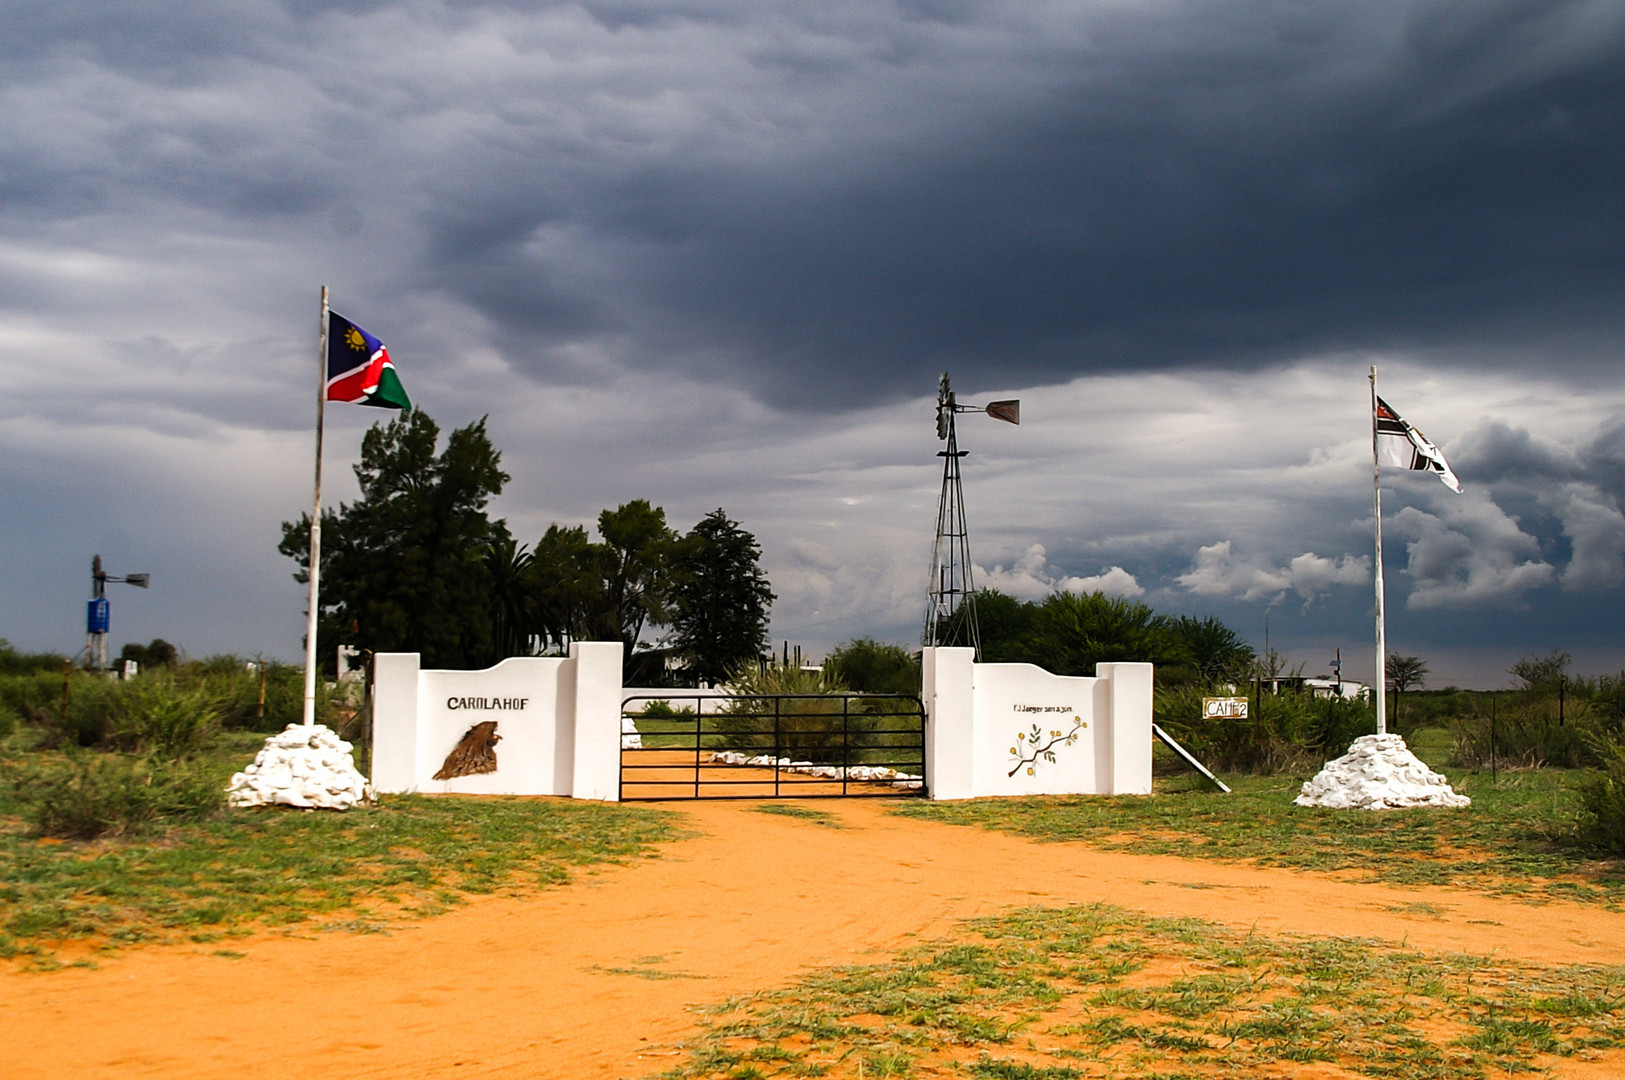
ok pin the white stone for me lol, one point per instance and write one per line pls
(1378, 773)
(831, 772)
(630, 739)
(303, 767)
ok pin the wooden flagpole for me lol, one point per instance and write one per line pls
(316, 527)
(1381, 687)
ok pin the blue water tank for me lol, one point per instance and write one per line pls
(96, 614)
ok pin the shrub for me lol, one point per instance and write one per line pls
(37, 700)
(91, 794)
(1281, 730)
(661, 709)
(239, 687)
(808, 725)
(1602, 797)
(874, 667)
(163, 715)
(1528, 730)
(13, 662)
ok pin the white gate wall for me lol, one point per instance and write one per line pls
(558, 718)
(993, 729)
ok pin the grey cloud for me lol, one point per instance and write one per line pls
(1596, 532)
(1494, 450)
(823, 200)
(1471, 553)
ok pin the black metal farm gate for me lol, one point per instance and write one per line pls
(772, 746)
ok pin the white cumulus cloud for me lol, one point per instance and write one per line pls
(1218, 571)
(1030, 578)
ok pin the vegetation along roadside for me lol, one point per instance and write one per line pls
(228, 872)
(1095, 991)
(1518, 838)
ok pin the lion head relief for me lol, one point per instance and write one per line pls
(475, 753)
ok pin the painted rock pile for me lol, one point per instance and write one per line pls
(630, 739)
(307, 767)
(1378, 773)
(873, 773)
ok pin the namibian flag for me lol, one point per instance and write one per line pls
(358, 368)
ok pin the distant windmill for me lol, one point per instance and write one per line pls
(950, 614)
(97, 613)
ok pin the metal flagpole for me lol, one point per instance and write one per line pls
(316, 527)
(1381, 687)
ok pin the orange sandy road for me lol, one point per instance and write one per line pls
(527, 987)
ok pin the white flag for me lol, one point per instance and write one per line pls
(1402, 446)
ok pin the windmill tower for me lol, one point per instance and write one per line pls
(950, 611)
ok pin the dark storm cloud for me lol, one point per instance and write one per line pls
(1231, 185)
(827, 201)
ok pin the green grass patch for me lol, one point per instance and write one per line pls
(407, 856)
(1516, 838)
(1095, 991)
(803, 813)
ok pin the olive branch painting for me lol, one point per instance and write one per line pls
(1032, 748)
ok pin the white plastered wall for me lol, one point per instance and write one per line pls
(1016, 729)
(558, 719)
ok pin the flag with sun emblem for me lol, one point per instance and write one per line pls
(359, 369)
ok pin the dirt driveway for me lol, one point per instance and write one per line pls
(595, 980)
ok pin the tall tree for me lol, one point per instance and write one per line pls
(508, 569)
(1072, 632)
(567, 587)
(875, 667)
(720, 598)
(403, 567)
(636, 546)
(1216, 651)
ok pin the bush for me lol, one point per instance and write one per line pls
(874, 667)
(160, 714)
(91, 794)
(1602, 797)
(661, 709)
(239, 687)
(1281, 730)
(13, 662)
(37, 700)
(809, 725)
(1528, 730)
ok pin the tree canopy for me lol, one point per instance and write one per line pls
(1069, 633)
(875, 667)
(719, 599)
(404, 567)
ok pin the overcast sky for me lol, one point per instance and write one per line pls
(715, 253)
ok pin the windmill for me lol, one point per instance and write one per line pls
(950, 613)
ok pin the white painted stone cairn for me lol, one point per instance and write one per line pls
(871, 773)
(1378, 773)
(307, 767)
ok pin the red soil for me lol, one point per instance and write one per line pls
(596, 980)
